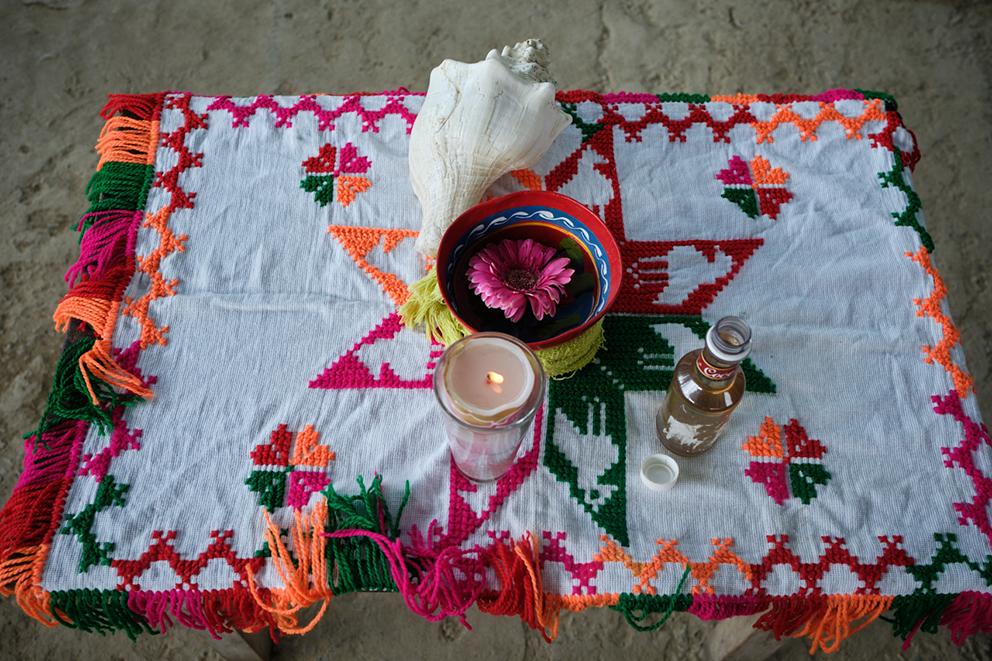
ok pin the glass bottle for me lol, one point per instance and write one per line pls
(706, 387)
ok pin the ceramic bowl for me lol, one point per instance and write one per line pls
(553, 220)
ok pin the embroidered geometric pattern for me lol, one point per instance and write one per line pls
(333, 174)
(591, 405)
(282, 479)
(237, 329)
(351, 371)
(932, 307)
(778, 464)
(756, 187)
(359, 242)
(976, 436)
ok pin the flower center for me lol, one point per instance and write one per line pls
(520, 279)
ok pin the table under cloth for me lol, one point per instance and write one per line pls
(236, 381)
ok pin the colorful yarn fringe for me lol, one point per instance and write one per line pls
(117, 192)
(344, 543)
(363, 552)
(426, 311)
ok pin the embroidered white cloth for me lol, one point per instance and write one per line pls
(273, 250)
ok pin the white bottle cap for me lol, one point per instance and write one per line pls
(729, 340)
(659, 472)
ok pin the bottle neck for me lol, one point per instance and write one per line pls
(713, 369)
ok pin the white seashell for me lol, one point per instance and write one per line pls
(478, 122)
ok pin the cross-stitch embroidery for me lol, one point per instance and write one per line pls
(333, 174)
(779, 463)
(283, 479)
(756, 187)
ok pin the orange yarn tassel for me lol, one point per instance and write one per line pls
(97, 362)
(126, 140)
(92, 311)
(545, 611)
(22, 569)
(844, 616)
(827, 620)
(306, 581)
(518, 569)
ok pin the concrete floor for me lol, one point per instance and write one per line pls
(60, 57)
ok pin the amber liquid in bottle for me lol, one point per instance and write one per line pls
(706, 387)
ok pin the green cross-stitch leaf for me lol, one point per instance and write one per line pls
(322, 185)
(744, 198)
(588, 129)
(804, 478)
(757, 381)
(908, 217)
(108, 494)
(593, 403)
(270, 487)
(637, 357)
(947, 553)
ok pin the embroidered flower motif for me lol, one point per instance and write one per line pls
(333, 174)
(757, 188)
(303, 472)
(796, 463)
(514, 274)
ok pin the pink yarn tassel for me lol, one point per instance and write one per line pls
(968, 614)
(185, 605)
(710, 607)
(107, 243)
(44, 464)
(435, 591)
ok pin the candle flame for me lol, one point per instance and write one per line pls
(493, 380)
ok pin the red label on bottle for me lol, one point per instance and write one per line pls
(714, 373)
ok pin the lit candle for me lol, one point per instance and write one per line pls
(490, 386)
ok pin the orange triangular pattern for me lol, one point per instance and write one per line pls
(347, 187)
(360, 241)
(308, 450)
(528, 179)
(764, 174)
(768, 442)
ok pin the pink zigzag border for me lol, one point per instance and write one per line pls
(963, 456)
(284, 115)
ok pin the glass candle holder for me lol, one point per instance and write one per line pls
(490, 386)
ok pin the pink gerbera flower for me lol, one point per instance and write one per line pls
(512, 274)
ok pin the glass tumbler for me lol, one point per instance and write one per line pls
(490, 386)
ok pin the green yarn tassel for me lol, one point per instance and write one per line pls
(637, 608)
(426, 310)
(918, 611)
(888, 100)
(69, 399)
(358, 562)
(98, 611)
(119, 186)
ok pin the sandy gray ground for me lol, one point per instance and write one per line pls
(60, 57)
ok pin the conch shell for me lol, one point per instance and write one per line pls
(478, 122)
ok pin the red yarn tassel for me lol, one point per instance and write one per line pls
(521, 591)
(789, 614)
(214, 611)
(27, 518)
(139, 106)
